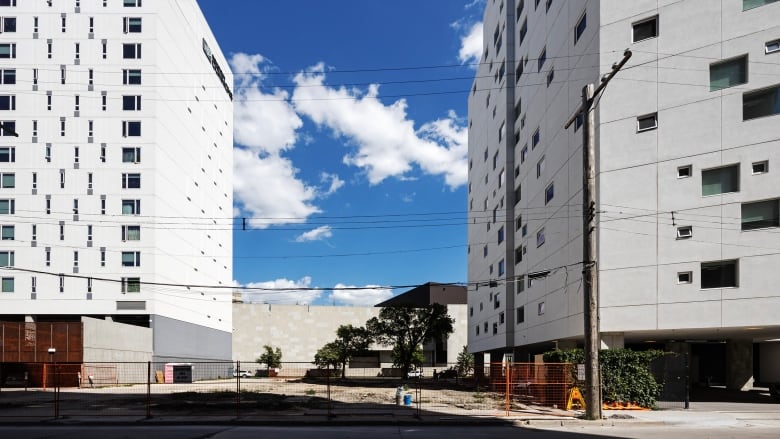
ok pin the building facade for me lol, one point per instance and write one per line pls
(687, 212)
(116, 198)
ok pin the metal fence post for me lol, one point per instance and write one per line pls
(238, 389)
(418, 395)
(508, 372)
(327, 386)
(56, 393)
(687, 383)
(148, 389)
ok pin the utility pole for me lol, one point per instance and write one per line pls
(589, 247)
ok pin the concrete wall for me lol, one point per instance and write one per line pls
(300, 330)
(178, 341)
(107, 341)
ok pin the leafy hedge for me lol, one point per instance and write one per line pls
(625, 373)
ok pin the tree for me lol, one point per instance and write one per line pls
(465, 362)
(272, 358)
(350, 341)
(406, 328)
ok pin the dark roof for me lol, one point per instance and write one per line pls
(429, 293)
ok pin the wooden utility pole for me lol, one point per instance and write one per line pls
(589, 247)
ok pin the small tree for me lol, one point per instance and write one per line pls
(465, 362)
(406, 328)
(350, 341)
(272, 358)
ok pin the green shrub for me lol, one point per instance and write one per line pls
(625, 373)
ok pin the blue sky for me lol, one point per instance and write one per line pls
(350, 144)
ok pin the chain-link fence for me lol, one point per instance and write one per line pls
(247, 389)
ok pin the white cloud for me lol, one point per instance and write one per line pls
(471, 45)
(268, 191)
(266, 185)
(368, 295)
(474, 3)
(282, 291)
(386, 140)
(265, 122)
(335, 183)
(318, 234)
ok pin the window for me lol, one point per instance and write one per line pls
(7, 50)
(7, 180)
(8, 76)
(7, 233)
(495, 328)
(48, 257)
(684, 232)
(102, 257)
(6, 259)
(719, 274)
(131, 285)
(647, 122)
(7, 102)
(131, 3)
(132, 25)
(645, 29)
(518, 194)
(520, 315)
(501, 267)
(518, 255)
(7, 207)
(8, 24)
(728, 73)
(550, 76)
(501, 318)
(131, 51)
(501, 131)
(131, 233)
(523, 154)
(131, 103)
(33, 284)
(89, 233)
(8, 127)
(7, 2)
(524, 232)
(131, 181)
(103, 154)
(501, 178)
(720, 180)
(477, 329)
(535, 138)
(760, 215)
(131, 76)
(578, 121)
(540, 237)
(48, 207)
(750, 4)
(579, 29)
(760, 167)
(501, 235)
(34, 180)
(540, 308)
(75, 259)
(541, 60)
(131, 128)
(765, 102)
(684, 171)
(772, 47)
(130, 207)
(131, 259)
(7, 285)
(549, 193)
(523, 31)
(685, 277)
(540, 167)
(131, 155)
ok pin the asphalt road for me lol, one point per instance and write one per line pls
(382, 432)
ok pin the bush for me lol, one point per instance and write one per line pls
(625, 373)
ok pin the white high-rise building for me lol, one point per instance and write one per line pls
(688, 152)
(116, 197)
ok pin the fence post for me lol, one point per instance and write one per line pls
(56, 393)
(508, 371)
(238, 389)
(148, 389)
(687, 383)
(327, 386)
(418, 395)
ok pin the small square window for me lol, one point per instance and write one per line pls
(540, 238)
(685, 277)
(542, 58)
(549, 193)
(645, 29)
(684, 171)
(647, 122)
(540, 309)
(684, 232)
(550, 77)
(760, 167)
(535, 138)
(520, 315)
(772, 46)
